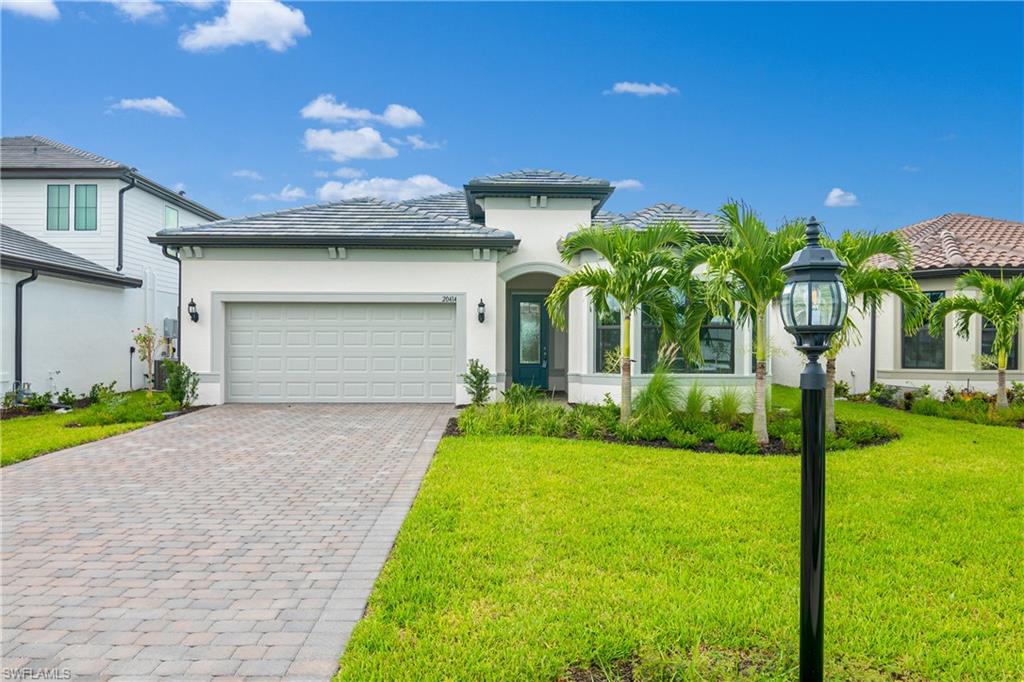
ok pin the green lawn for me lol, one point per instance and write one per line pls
(26, 437)
(523, 558)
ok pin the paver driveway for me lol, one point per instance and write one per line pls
(237, 541)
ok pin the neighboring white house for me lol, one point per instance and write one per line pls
(367, 300)
(944, 248)
(79, 223)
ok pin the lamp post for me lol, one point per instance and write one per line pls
(813, 309)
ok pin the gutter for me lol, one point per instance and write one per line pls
(177, 259)
(17, 326)
(199, 239)
(106, 277)
(120, 222)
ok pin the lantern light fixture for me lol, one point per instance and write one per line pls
(480, 308)
(193, 310)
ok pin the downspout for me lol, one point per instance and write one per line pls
(871, 363)
(17, 327)
(175, 257)
(120, 222)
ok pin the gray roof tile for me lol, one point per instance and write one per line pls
(18, 249)
(33, 151)
(449, 205)
(698, 221)
(539, 177)
(351, 222)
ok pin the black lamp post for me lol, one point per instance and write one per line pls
(813, 310)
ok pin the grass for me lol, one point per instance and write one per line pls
(22, 438)
(528, 557)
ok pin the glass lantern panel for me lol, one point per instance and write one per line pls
(824, 303)
(785, 302)
(801, 303)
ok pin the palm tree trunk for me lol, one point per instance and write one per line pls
(760, 385)
(626, 399)
(830, 395)
(1001, 400)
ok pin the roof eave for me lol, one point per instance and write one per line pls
(598, 193)
(65, 272)
(950, 271)
(193, 239)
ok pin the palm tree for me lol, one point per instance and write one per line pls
(744, 274)
(867, 281)
(1000, 301)
(642, 269)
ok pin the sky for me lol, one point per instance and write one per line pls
(867, 115)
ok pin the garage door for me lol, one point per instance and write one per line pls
(340, 352)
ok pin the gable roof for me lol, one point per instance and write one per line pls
(449, 205)
(354, 222)
(34, 156)
(527, 182)
(960, 241)
(24, 252)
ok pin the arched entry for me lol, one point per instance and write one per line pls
(536, 352)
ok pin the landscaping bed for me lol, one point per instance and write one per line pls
(966, 404)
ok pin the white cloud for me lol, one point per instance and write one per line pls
(321, 174)
(390, 189)
(287, 193)
(839, 198)
(642, 89)
(348, 173)
(198, 4)
(269, 22)
(327, 109)
(37, 9)
(910, 168)
(419, 143)
(628, 183)
(248, 174)
(151, 105)
(138, 9)
(364, 143)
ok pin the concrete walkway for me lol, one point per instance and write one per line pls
(239, 541)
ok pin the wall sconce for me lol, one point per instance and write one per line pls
(193, 311)
(480, 307)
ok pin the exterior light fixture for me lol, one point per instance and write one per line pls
(193, 311)
(480, 307)
(814, 307)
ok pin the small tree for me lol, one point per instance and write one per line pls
(182, 382)
(1000, 301)
(478, 382)
(145, 343)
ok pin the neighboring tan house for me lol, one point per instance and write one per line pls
(367, 300)
(944, 248)
(74, 248)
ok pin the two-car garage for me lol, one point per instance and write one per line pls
(339, 352)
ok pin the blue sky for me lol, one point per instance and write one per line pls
(900, 111)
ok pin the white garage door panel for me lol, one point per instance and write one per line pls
(340, 352)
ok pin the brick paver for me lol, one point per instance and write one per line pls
(239, 541)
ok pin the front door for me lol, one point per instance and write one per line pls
(529, 340)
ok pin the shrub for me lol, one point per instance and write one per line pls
(931, 407)
(628, 432)
(612, 361)
(792, 442)
(702, 427)
(652, 429)
(726, 406)
(740, 442)
(39, 401)
(659, 398)
(696, 400)
(842, 389)
(182, 383)
(883, 394)
(10, 399)
(478, 382)
(833, 442)
(864, 432)
(520, 394)
(1015, 394)
(100, 392)
(780, 426)
(683, 439)
(67, 398)
(548, 419)
(586, 426)
(127, 408)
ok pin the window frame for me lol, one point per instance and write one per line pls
(1013, 361)
(86, 208)
(681, 366)
(598, 328)
(177, 218)
(66, 208)
(933, 297)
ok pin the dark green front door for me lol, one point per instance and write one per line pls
(529, 340)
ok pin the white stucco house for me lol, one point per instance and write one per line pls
(78, 271)
(367, 300)
(944, 248)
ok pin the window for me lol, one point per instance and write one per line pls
(170, 217)
(85, 207)
(922, 350)
(58, 204)
(608, 334)
(988, 337)
(717, 344)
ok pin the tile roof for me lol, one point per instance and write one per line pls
(354, 222)
(539, 177)
(33, 151)
(449, 205)
(697, 221)
(962, 241)
(23, 251)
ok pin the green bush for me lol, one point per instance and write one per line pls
(628, 432)
(683, 439)
(834, 442)
(841, 388)
(182, 384)
(739, 442)
(598, 413)
(792, 442)
(128, 408)
(695, 401)
(659, 398)
(101, 392)
(39, 401)
(478, 382)
(883, 394)
(702, 427)
(931, 407)
(780, 426)
(549, 419)
(586, 426)
(864, 432)
(520, 394)
(653, 429)
(67, 398)
(726, 406)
